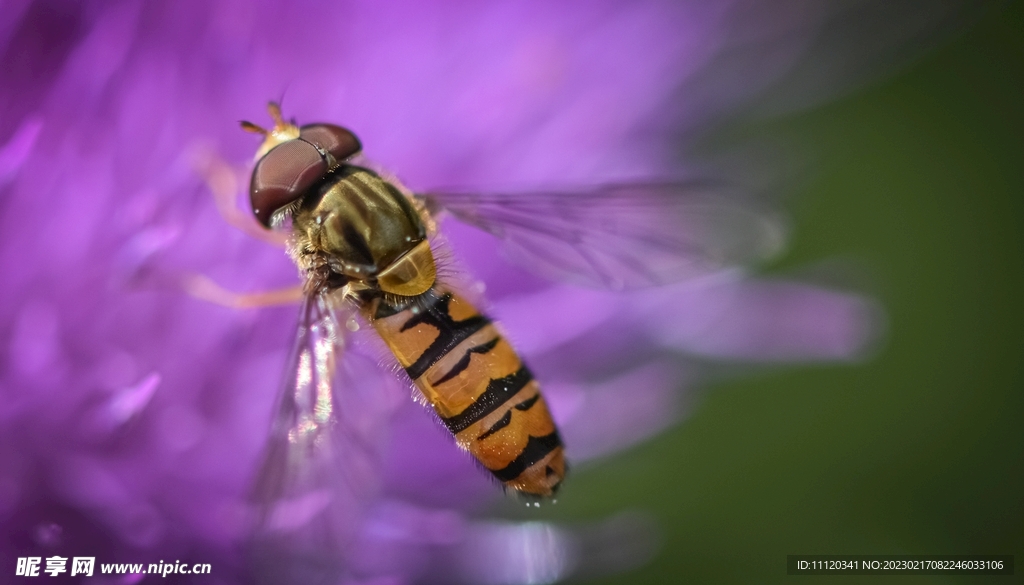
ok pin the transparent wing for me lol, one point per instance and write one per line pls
(315, 472)
(626, 235)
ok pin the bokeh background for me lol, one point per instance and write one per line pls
(919, 179)
(902, 180)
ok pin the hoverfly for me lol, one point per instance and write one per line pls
(363, 245)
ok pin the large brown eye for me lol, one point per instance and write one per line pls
(283, 175)
(338, 141)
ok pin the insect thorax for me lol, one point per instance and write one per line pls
(359, 226)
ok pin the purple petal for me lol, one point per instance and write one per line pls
(766, 321)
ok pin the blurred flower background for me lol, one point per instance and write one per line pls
(132, 417)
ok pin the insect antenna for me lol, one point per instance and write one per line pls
(275, 114)
(250, 127)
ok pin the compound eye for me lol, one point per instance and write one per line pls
(283, 175)
(338, 141)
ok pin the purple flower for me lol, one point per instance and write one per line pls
(132, 416)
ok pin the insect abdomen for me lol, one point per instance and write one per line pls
(477, 384)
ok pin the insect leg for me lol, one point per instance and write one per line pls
(203, 288)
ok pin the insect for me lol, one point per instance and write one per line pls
(362, 243)
(357, 238)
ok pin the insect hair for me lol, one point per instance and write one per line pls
(281, 219)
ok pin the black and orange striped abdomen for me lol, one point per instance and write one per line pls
(479, 387)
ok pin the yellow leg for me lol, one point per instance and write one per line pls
(201, 287)
(223, 182)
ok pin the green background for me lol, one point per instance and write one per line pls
(920, 450)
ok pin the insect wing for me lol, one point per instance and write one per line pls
(313, 478)
(626, 235)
